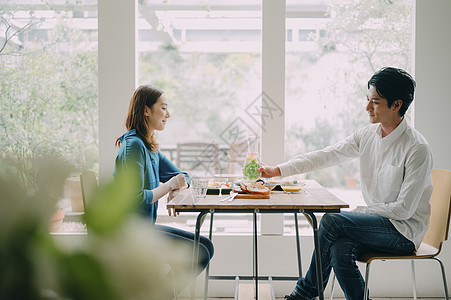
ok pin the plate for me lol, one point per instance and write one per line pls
(292, 187)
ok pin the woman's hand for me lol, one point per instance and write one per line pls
(177, 182)
(269, 171)
(171, 195)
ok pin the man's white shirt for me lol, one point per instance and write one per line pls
(395, 174)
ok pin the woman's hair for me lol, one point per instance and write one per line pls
(145, 95)
(394, 84)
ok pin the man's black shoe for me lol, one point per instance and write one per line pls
(290, 297)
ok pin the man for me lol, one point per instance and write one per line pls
(395, 172)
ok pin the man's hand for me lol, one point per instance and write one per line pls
(269, 171)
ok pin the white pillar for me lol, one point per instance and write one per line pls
(273, 96)
(117, 75)
(273, 81)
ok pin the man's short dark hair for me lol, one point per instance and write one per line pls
(394, 84)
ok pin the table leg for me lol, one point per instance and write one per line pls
(199, 221)
(255, 256)
(207, 271)
(298, 244)
(319, 272)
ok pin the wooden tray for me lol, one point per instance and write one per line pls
(251, 196)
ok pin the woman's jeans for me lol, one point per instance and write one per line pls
(342, 238)
(206, 249)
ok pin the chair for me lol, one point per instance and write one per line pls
(432, 241)
(89, 184)
(204, 156)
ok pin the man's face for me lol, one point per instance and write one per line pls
(378, 109)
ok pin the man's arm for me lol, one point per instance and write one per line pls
(342, 151)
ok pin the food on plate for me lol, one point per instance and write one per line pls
(256, 188)
(291, 188)
(217, 185)
(244, 185)
(247, 187)
(237, 189)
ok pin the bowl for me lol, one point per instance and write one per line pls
(291, 188)
(270, 185)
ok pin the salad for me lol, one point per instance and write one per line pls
(251, 166)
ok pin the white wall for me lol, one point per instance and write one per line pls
(432, 73)
(117, 80)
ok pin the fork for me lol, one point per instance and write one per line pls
(229, 197)
(232, 196)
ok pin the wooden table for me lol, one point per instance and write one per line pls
(312, 199)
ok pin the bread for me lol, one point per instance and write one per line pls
(243, 187)
(237, 189)
(256, 188)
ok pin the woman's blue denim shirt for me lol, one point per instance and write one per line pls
(153, 168)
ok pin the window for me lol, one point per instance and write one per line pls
(340, 45)
(207, 58)
(48, 90)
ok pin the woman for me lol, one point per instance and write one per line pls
(147, 113)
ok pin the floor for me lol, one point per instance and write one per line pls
(334, 298)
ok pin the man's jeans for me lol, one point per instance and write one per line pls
(342, 237)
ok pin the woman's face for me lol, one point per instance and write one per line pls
(158, 114)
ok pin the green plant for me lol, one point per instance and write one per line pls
(121, 258)
(48, 97)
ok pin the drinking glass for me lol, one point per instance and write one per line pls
(199, 188)
(252, 162)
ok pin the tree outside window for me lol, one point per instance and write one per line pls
(48, 87)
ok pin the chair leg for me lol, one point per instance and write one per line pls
(332, 288)
(414, 282)
(367, 277)
(207, 271)
(445, 283)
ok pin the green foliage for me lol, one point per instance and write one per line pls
(377, 32)
(83, 277)
(48, 97)
(121, 258)
(124, 191)
(251, 170)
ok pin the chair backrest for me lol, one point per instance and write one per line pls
(440, 209)
(199, 155)
(89, 184)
